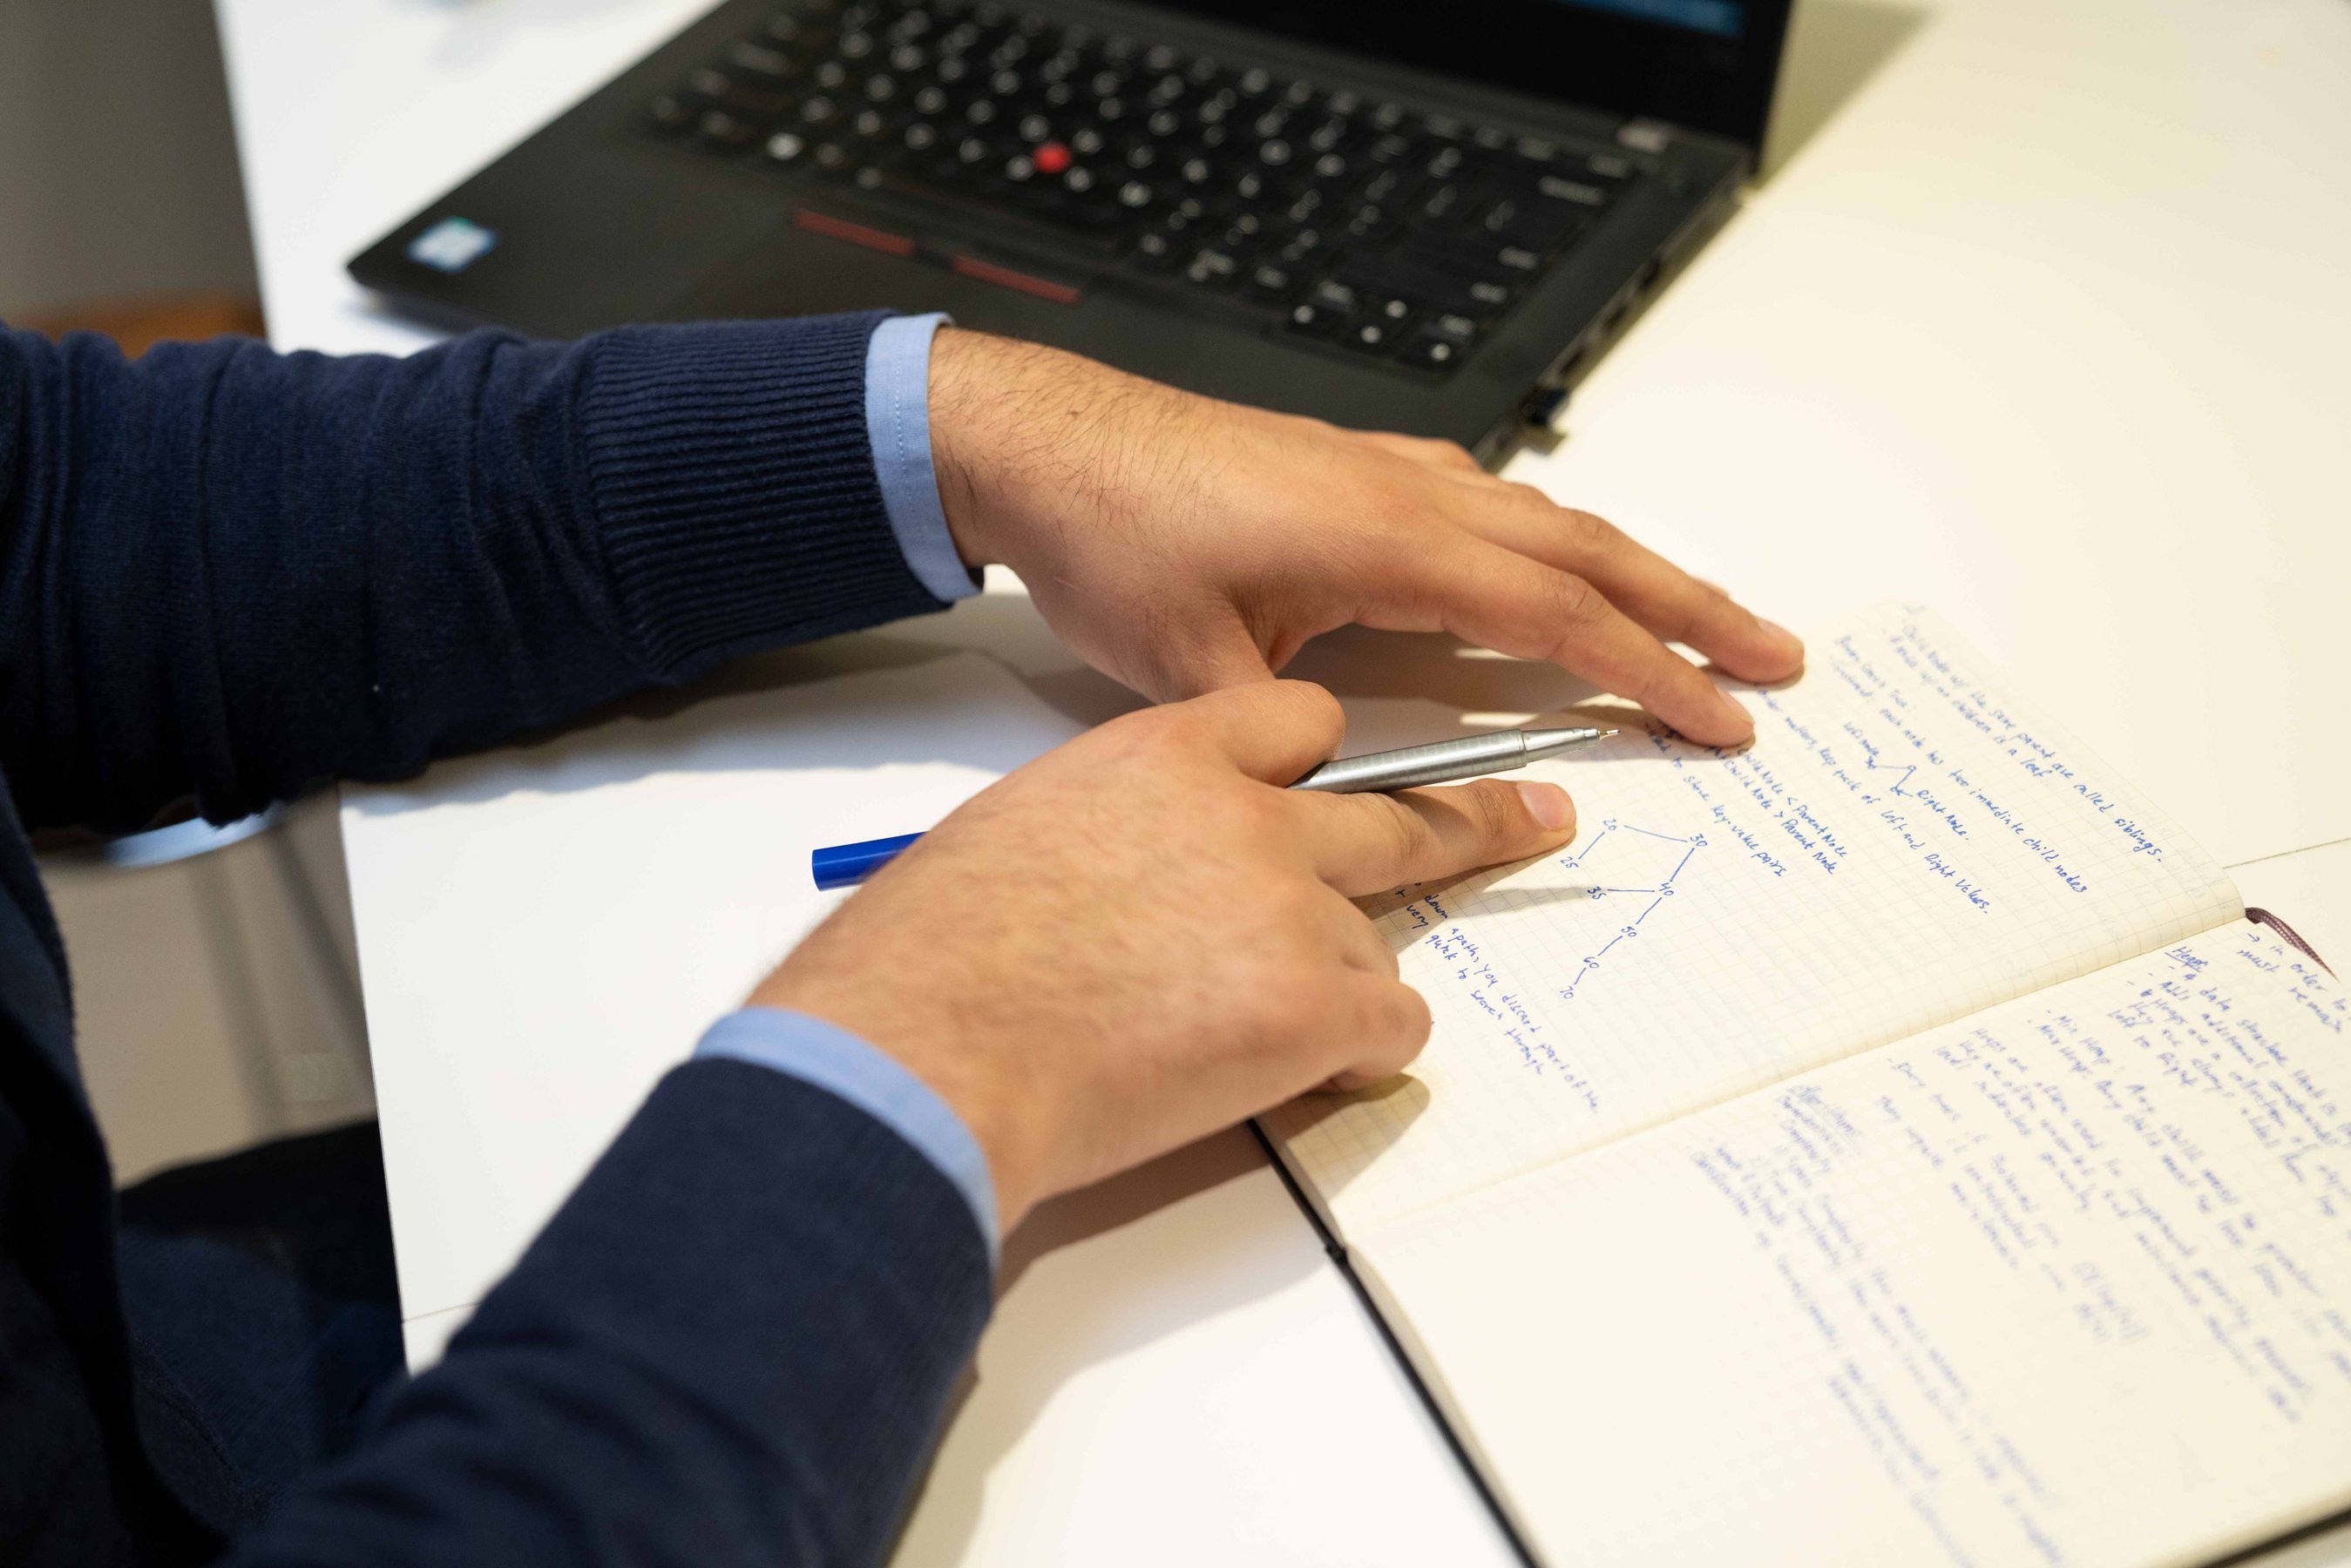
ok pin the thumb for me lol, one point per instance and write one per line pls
(1369, 843)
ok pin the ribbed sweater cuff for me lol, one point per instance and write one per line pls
(733, 479)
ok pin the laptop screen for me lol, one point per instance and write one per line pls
(1705, 64)
(1723, 19)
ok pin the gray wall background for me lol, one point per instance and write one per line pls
(216, 997)
(117, 163)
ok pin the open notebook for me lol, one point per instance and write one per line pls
(1889, 1143)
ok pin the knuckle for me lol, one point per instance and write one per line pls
(1576, 603)
(1278, 1010)
(1405, 835)
(1397, 511)
(1495, 811)
(1261, 813)
(1384, 961)
(1590, 526)
(1413, 1018)
(1315, 706)
(1297, 907)
(1667, 676)
(1400, 1023)
(1142, 737)
(1168, 722)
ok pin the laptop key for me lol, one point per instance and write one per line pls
(1155, 252)
(1536, 225)
(721, 129)
(1212, 269)
(1605, 168)
(1576, 192)
(1313, 320)
(1271, 283)
(719, 90)
(762, 60)
(1444, 290)
(795, 31)
(1339, 299)
(1430, 351)
(1458, 330)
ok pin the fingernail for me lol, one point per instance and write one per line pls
(1787, 639)
(1549, 805)
(1733, 710)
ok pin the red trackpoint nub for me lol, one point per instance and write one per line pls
(1051, 158)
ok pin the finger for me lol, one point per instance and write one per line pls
(1391, 1023)
(1449, 456)
(1352, 936)
(1651, 590)
(1518, 605)
(1370, 843)
(1273, 731)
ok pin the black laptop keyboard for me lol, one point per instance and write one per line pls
(1338, 215)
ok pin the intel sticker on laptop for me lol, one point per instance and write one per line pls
(452, 245)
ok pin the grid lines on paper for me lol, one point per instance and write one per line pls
(1903, 845)
(2066, 1280)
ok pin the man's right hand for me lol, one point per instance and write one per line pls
(1181, 544)
(1142, 937)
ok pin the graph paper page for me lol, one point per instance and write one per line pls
(2066, 1282)
(1904, 844)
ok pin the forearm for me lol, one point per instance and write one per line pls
(234, 574)
(734, 1344)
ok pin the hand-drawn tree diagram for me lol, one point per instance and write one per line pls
(1630, 863)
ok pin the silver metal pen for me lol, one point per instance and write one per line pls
(1441, 762)
(846, 865)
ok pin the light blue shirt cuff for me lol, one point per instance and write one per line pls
(831, 1058)
(898, 424)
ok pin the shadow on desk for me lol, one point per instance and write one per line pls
(1400, 689)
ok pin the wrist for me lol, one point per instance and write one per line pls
(1018, 431)
(958, 402)
(1006, 1124)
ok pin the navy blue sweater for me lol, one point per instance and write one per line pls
(229, 575)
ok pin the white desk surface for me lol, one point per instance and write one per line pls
(2039, 318)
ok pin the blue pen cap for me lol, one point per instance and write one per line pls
(847, 864)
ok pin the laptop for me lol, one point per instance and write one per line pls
(1406, 216)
